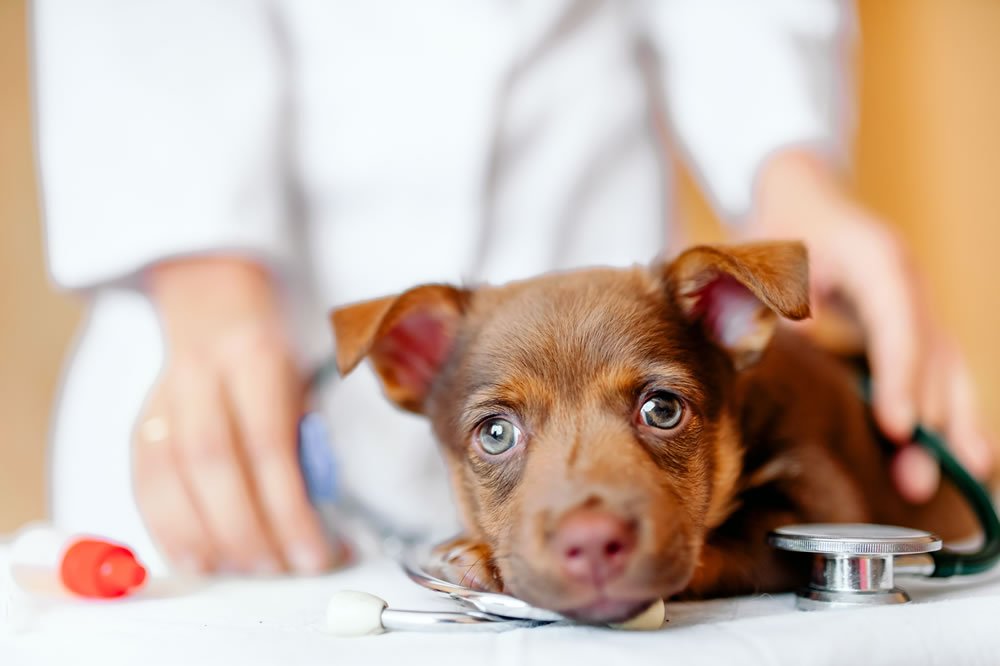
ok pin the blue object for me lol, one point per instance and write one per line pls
(319, 467)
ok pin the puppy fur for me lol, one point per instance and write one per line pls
(772, 432)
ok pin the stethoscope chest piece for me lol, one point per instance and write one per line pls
(854, 564)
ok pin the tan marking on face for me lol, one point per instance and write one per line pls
(728, 457)
(784, 467)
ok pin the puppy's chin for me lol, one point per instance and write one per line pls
(617, 602)
(606, 611)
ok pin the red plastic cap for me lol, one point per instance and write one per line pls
(99, 569)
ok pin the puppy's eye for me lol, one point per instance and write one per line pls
(498, 435)
(662, 410)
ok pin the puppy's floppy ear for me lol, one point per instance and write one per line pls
(408, 338)
(737, 292)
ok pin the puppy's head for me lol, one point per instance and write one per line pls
(587, 418)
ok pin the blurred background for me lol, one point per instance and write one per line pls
(927, 156)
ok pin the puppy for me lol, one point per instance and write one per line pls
(616, 436)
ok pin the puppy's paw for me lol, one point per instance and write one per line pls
(466, 562)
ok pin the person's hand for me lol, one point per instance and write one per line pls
(918, 373)
(216, 473)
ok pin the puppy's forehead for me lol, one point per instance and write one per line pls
(563, 310)
(565, 330)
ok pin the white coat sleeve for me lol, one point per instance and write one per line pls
(158, 133)
(744, 79)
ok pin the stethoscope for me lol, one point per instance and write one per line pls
(854, 565)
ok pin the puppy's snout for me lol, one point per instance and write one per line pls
(593, 546)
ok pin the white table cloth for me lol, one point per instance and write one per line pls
(281, 621)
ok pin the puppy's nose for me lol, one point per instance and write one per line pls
(593, 545)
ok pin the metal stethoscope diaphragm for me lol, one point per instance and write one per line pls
(856, 564)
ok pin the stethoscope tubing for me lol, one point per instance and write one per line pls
(469, 620)
(949, 562)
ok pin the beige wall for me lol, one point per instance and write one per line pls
(928, 158)
(35, 324)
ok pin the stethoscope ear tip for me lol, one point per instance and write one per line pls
(354, 613)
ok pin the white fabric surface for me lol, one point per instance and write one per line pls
(951, 623)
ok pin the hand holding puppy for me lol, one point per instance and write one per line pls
(918, 373)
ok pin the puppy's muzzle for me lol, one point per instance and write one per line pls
(593, 546)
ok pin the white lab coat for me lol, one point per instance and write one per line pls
(361, 147)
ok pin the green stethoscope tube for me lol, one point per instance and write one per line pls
(947, 562)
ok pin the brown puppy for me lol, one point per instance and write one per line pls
(615, 436)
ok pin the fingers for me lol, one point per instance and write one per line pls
(217, 476)
(231, 400)
(915, 473)
(214, 474)
(266, 399)
(880, 285)
(935, 386)
(169, 513)
(947, 406)
(918, 375)
(964, 429)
